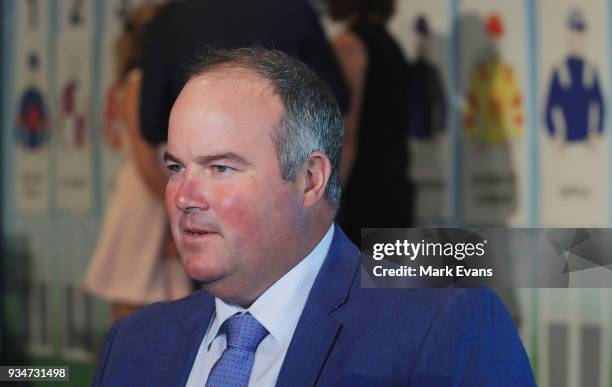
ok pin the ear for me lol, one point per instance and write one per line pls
(315, 178)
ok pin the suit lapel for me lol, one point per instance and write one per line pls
(312, 341)
(318, 329)
(184, 339)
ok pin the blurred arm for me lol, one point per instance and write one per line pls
(353, 59)
(144, 153)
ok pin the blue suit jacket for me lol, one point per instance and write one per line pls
(347, 336)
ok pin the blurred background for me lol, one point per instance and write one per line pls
(505, 122)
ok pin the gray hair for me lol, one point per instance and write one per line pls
(311, 120)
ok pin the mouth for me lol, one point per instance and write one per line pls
(196, 233)
(192, 229)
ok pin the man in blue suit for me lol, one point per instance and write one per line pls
(253, 152)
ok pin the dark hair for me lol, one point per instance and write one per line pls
(341, 9)
(311, 120)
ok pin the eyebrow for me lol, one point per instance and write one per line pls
(230, 156)
(168, 157)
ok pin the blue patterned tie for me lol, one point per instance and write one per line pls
(243, 334)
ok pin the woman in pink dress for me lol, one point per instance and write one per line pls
(135, 262)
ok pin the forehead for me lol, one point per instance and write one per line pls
(238, 101)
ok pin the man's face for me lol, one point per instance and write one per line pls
(232, 216)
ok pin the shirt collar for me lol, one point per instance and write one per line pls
(279, 308)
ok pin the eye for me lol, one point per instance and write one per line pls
(221, 168)
(174, 168)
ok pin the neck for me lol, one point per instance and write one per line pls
(305, 241)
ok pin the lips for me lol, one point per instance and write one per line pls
(191, 235)
(191, 229)
(194, 228)
(195, 232)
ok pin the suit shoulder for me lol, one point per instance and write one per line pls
(473, 327)
(482, 300)
(457, 302)
(423, 306)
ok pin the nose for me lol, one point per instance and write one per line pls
(191, 195)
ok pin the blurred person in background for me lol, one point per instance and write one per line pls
(428, 107)
(375, 159)
(135, 262)
(185, 30)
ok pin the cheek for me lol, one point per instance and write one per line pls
(249, 212)
(169, 195)
(238, 206)
(172, 211)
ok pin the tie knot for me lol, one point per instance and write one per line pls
(244, 331)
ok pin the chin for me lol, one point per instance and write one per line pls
(227, 293)
(198, 270)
